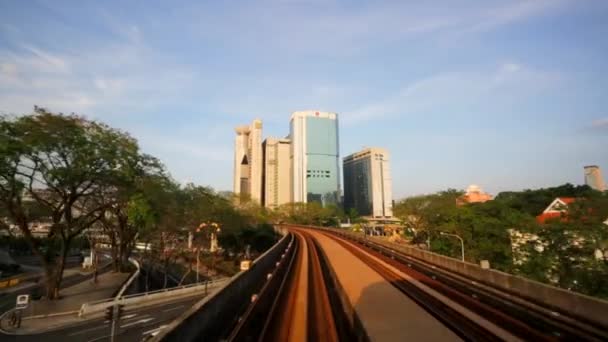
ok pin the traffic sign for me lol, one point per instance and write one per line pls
(22, 301)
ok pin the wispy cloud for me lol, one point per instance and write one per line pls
(600, 123)
(454, 90)
(338, 29)
(115, 77)
(500, 14)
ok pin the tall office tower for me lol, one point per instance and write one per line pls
(248, 161)
(277, 176)
(314, 157)
(368, 184)
(593, 178)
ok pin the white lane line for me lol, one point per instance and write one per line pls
(137, 322)
(153, 330)
(127, 317)
(175, 308)
(99, 338)
(87, 330)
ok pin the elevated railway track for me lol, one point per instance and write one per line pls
(327, 285)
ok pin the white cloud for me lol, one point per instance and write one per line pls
(44, 61)
(491, 17)
(8, 69)
(600, 123)
(511, 67)
(336, 29)
(446, 91)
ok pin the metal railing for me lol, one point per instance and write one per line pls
(139, 298)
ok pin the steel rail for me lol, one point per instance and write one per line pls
(462, 326)
(523, 319)
(256, 314)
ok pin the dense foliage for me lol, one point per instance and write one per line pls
(90, 181)
(566, 251)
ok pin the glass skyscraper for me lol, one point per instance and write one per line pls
(368, 183)
(314, 157)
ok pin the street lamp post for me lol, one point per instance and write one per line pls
(459, 238)
(198, 253)
(213, 236)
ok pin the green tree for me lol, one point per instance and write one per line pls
(569, 247)
(62, 164)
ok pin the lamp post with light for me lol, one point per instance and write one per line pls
(459, 238)
(214, 230)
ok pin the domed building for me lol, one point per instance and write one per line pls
(474, 194)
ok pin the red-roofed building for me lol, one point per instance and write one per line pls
(557, 209)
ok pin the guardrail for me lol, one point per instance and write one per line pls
(583, 307)
(142, 298)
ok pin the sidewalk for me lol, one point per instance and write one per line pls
(37, 273)
(45, 315)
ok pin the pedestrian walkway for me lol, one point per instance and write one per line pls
(44, 315)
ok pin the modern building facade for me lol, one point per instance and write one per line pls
(368, 183)
(593, 178)
(314, 157)
(277, 172)
(248, 161)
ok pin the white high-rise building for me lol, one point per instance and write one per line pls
(593, 178)
(277, 172)
(368, 183)
(248, 161)
(314, 157)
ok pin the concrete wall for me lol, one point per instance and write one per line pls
(583, 307)
(209, 318)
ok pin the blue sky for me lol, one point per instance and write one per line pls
(505, 94)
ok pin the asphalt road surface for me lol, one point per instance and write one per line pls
(7, 301)
(135, 325)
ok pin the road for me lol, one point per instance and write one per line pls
(7, 301)
(134, 326)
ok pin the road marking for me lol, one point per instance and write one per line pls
(99, 338)
(137, 322)
(175, 308)
(87, 330)
(125, 317)
(153, 331)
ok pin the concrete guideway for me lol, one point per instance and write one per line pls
(386, 314)
(319, 283)
(511, 313)
(295, 303)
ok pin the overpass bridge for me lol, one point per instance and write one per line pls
(327, 284)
